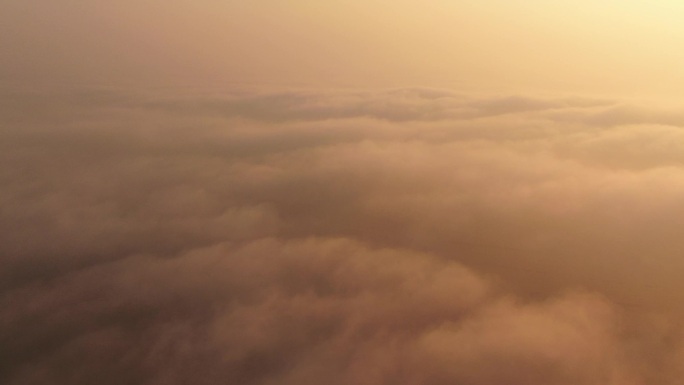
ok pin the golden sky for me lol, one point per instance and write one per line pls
(300, 192)
(616, 47)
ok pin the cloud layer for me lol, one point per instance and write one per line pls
(409, 236)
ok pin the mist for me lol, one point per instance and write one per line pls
(282, 236)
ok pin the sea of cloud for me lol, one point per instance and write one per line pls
(300, 237)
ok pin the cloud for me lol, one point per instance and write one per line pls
(407, 236)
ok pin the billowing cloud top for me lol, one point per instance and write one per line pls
(406, 236)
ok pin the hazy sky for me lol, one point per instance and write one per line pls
(272, 192)
(609, 46)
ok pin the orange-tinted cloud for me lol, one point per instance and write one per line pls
(408, 236)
